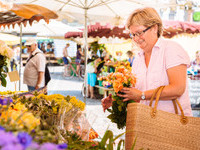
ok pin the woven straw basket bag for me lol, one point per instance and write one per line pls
(160, 130)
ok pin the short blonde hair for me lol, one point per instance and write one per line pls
(147, 17)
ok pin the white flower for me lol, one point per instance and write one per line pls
(5, 50)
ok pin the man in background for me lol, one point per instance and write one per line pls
(65, 60)
(35, 66)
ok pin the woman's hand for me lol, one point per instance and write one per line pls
(131, 94)
(107, 102)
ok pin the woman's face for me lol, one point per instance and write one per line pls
(142, 36)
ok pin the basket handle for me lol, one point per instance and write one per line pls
(153, 97)
(184, 119)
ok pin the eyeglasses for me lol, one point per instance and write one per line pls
(138, 34)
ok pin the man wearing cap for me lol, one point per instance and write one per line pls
(35, 66)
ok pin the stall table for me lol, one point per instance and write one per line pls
(105, 90)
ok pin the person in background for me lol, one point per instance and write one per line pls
(52, 48)
(24, 48)
(160, 62)
(118, 55)
(89, 54)
(15, 60)
(130, 57)
(65, 60)
(194, 69)
(48, 48)
(35, 66)
(43, 47)
(79, 53)
(94, 68)
(196, 62)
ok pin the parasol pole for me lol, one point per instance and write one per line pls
(86, 50)
(20, 56)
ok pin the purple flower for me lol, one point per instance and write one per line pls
(12, 147)
(1, 128)
(7, 138)
(4, 101)
(62, 146)
(48, 146)
(24, 139)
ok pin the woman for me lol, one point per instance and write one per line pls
(131, 57)
(160, 62)
(79, 53)
(92, 73)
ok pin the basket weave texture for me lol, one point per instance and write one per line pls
(165, 131)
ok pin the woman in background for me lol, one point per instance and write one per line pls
(131, 57)
(79, 53)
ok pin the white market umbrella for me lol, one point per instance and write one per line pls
(55, 29)
(9, 39)
(102, 11)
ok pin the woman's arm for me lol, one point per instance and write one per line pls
(82, 54)
(95, 63)
(177, 83)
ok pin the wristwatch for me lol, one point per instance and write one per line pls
(143, 96)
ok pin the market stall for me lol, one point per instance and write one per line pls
(23, 14)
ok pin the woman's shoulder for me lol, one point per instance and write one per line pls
(172, 48)
(170, 45)
(175, 54)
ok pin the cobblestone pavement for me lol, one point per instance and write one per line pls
(65, 86)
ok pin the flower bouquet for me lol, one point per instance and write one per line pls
(121, 78)
(5, 54)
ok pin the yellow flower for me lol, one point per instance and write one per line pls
(77, 103)
(20, 118)
(20, 107)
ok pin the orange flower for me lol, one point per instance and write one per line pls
(93, 134)
(117, 86)
(121, 76)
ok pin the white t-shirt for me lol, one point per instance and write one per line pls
(35, 65)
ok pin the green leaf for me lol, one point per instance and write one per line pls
(120, 143)
(108, 135)
(119, 136)
(3, 81)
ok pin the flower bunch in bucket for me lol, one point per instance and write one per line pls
(121, 78)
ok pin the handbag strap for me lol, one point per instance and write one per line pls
(184, 119)
(31, 57)
(153, 97)
(175, 106)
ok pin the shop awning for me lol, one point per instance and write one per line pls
(171, 28)
(23, 13)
